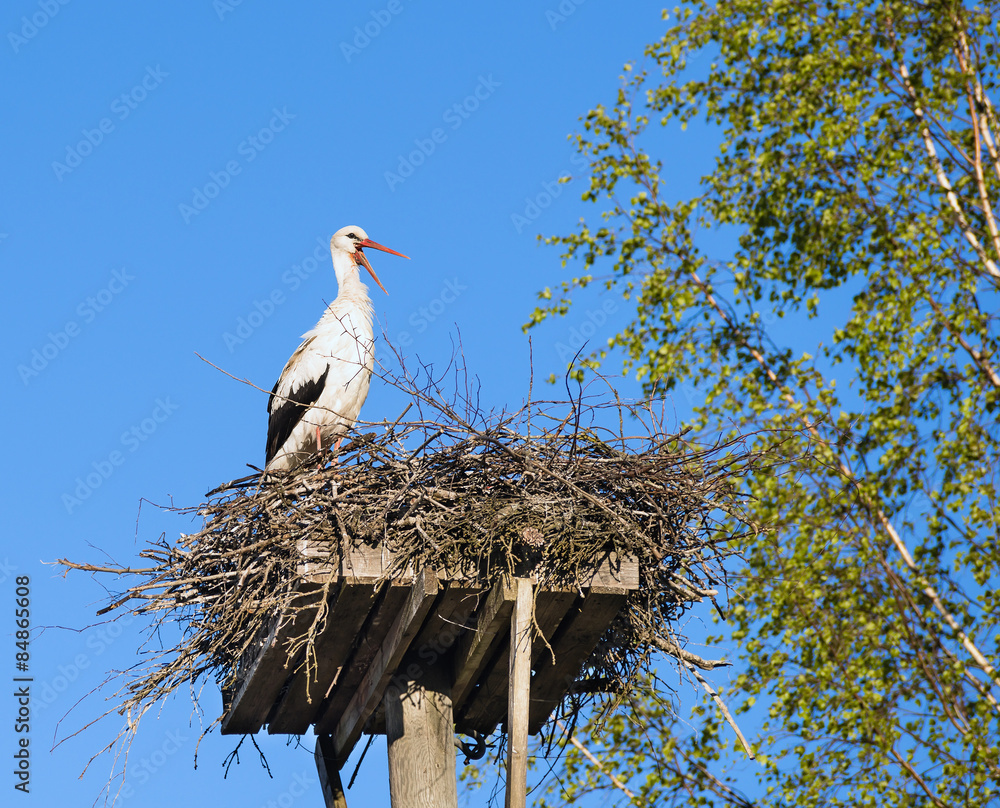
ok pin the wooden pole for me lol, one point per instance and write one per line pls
(518, 693)
(420, 730)
(329, 774)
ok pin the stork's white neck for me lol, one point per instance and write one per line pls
(349, 283)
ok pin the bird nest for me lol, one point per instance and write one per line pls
(551, 487)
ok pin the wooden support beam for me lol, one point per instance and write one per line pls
(486, 706)
(452, 614)
(518, 697)
(347, 727)
(466, 625)
(574, 641)
(329, 774)
(476, 649)
(481, 709)
(366, 643)
(301, 703)
(261, 680)
(420, 732)
(551, 607)
(450, 617)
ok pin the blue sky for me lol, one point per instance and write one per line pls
(173, 174)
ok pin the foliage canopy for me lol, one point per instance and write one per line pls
(858, 179)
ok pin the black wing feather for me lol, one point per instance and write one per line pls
(289, 411)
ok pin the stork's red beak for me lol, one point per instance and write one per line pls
(360, 256)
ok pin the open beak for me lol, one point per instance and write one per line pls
(360, 256)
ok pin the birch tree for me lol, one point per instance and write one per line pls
(858, 177)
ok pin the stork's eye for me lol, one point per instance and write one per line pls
(353, 236)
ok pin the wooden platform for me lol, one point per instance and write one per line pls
(376, 631)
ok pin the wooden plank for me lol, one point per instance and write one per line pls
(361, 563)
(518, 699)
(420, 735)
(612, 571)
(453, 614)
(486, 706)
(480, 654)
(329, 774)
(303, 699)
(260, 683)
(347, 727)
(551, 607)
(317, 559)
(576, 639)
(475, 649)
(482, 708)
(367, 643)
(368, 563)
(449, 619)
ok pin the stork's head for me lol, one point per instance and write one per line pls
(352, 240)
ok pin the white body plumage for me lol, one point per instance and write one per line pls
(322, 388)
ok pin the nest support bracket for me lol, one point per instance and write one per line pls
(416, 657)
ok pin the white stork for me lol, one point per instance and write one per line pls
(319, 394)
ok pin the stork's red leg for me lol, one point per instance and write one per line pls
(319, 448)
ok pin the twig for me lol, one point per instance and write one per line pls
(722, 706)
(597, 764)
